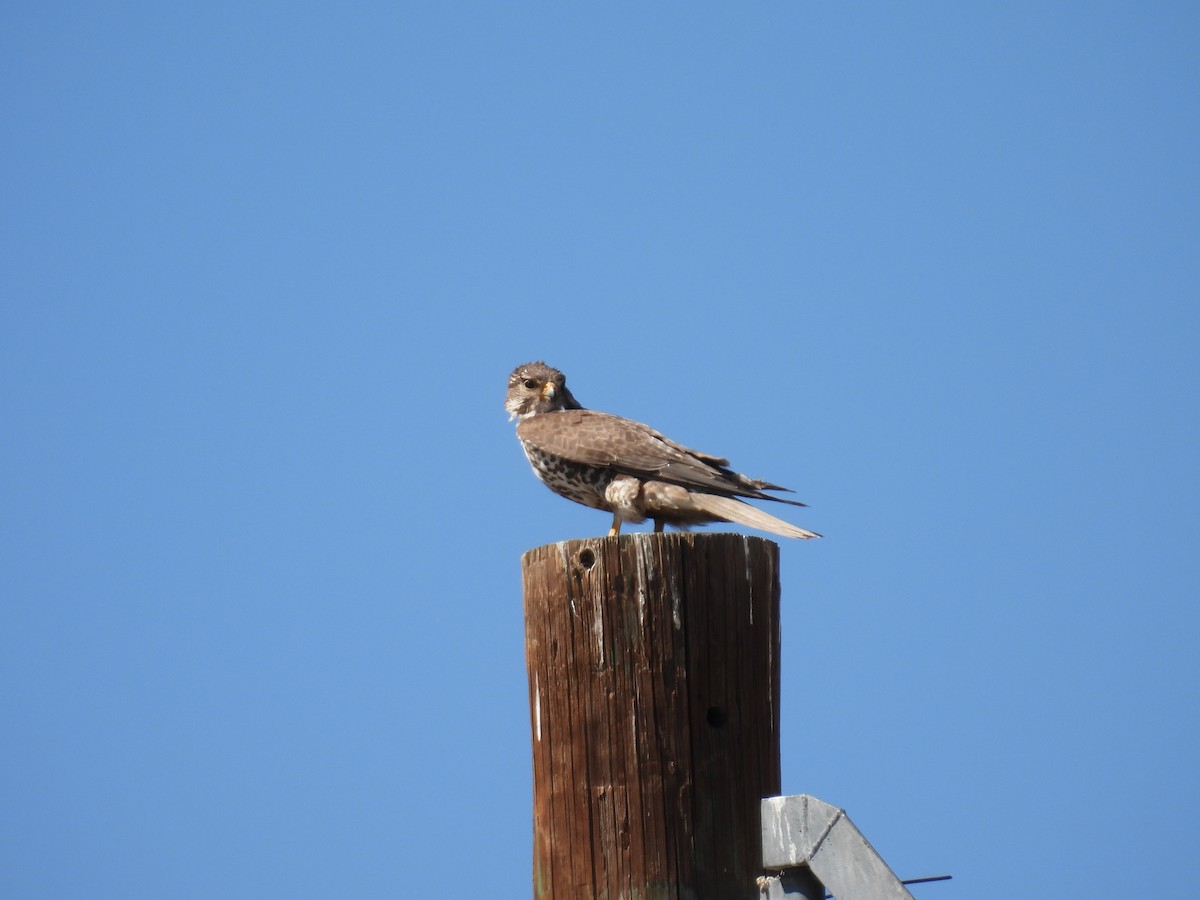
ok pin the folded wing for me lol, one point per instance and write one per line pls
(631, 448)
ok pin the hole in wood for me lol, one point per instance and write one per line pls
(716, 717)
(587, 558)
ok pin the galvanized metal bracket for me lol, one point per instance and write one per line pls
(802, 831)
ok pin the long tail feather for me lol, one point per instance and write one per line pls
(732, 510)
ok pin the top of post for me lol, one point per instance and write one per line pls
(661, 542)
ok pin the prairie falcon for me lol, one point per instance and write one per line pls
(628, 468)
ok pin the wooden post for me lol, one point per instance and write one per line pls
(654, 699)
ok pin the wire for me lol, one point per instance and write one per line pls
(914, 881)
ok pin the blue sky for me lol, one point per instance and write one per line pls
(266, 269)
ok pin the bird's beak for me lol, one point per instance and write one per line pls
(548, 391)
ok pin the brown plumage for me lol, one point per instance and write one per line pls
(628, 468)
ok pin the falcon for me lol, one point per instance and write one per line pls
(627, 468)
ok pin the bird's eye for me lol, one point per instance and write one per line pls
(530, 383)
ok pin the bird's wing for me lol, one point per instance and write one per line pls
(607, 441)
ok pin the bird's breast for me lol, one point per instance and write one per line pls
(567, 478)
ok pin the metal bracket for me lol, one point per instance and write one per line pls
(802, 831)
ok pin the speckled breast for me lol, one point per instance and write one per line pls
(583, 484)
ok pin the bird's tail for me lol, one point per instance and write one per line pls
(730, 510)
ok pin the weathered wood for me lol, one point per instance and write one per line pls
(654, 699)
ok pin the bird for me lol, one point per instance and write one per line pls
(627, 468)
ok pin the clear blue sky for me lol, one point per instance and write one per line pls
(266, 268)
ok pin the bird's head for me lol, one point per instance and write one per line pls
(536, 388)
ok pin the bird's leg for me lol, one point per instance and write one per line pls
(659, 525)
(616, 525)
